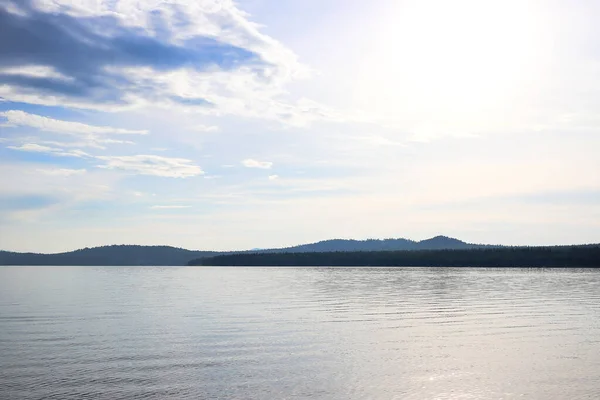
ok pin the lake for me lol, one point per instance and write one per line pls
(299, 333)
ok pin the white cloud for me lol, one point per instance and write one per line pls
(21, 118)
(61, 171)
(204, 128)
(80, 134)
(95, 144)
(173, 207)
(36, 71)
(250, 163)
(253, 85)
(152, 165)
(273, 177)
(115, 141)
(36, 148)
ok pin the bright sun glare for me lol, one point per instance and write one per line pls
(453, 61)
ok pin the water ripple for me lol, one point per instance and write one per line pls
(298, 333)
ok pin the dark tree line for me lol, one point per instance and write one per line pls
(532, 257)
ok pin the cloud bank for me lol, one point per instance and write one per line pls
(204, 56)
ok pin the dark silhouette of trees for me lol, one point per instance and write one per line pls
(534, 257)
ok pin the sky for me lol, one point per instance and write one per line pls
(219, 125)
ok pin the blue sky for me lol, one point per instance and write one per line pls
(215, 124)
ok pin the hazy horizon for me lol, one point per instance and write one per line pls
(251, 124)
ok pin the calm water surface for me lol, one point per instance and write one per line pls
(298, 333)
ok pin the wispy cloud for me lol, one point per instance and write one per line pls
(61, 171)
(35, 71)
(273, 177)
(85, 135)
(95, 143)
(21, 118)
(152, 165)
(171, 207)
(250, 163)
(73, 134)
(36, 148)
(204, 128)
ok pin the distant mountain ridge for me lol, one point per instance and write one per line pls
(435, 243)
(173, 256)
(109, 255)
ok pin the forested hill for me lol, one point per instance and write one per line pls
(108, 255)
(166, 255)
(528, 257)
(438, 242)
